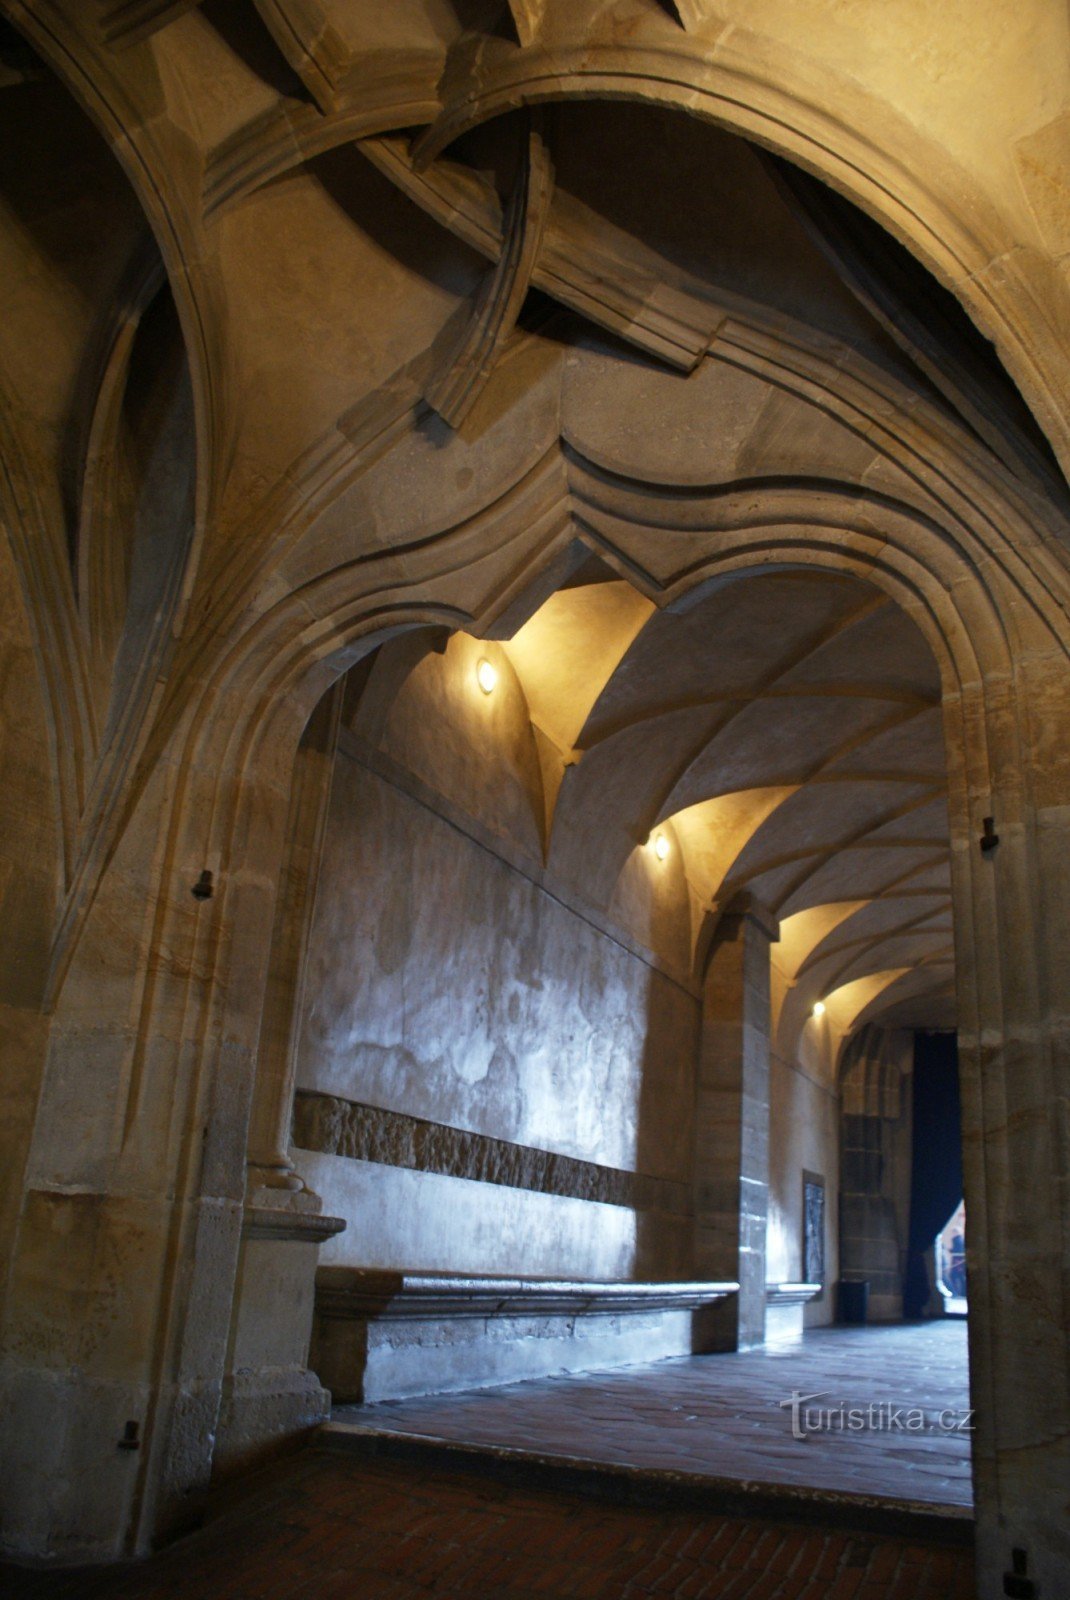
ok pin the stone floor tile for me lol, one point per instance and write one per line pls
(723, 1415)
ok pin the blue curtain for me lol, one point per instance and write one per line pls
(936, 1171)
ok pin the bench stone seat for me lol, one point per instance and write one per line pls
(381, 1335)
(790, 1294)
(784, 1303)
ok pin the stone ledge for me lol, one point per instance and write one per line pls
(790, 1294)
(785, 1316)
(387, 1335)
(282, 1223)
(389, 1296)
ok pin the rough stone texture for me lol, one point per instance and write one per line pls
(719, 1423)
(269, 1396)
(331, 1126)
(270, 1168)
(247, 306)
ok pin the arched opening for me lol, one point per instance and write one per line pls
(950, 1263)
(675, 542)
(630, 350)
(936, 1245)
(520, 1047)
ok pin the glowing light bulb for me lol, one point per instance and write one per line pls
(819, 1008)
(486, 676)
(661, 846)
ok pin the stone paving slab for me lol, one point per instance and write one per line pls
(723, 1419)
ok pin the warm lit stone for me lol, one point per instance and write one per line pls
(699, 373)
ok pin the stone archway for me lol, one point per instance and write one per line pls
(316, 540)
(985, 746)
(226, 815)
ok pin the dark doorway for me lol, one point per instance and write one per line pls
(936, 1168)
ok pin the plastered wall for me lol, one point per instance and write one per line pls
(492, 1076)
(493, 1072)
(803, 1138)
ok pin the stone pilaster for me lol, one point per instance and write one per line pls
(732, 1116)
(270, 1169)
(269, 1396)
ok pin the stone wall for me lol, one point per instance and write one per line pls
(803, 1138)
(743, 408)
(495, 1077)
(876, 1081)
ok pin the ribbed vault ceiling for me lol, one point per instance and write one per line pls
(386, 234)
(784, 732)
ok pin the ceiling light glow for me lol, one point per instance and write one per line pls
(661, 846)
(819, 1008)
(486, 676)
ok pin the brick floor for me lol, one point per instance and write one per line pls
(323, 1526)
(723, 1416)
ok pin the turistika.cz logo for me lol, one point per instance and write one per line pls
(880, 1416)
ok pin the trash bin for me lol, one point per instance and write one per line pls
(854, 1299)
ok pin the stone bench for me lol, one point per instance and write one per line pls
(381, 1335)
(784, 1304)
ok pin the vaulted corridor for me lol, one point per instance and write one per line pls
(535, 723)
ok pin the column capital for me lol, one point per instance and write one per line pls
(725, 923)
(746, 907)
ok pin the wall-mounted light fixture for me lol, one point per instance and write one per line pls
(661, 846)
(486, 675)
(819, 1009)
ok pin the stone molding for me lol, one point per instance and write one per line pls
(330, 1125)
(390, 1296)
(281, 1224)
(382, 1335)
(745, 904)
(790, 1294)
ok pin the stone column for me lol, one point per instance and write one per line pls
(270, 1169)
(732, 1116)
(138, 1318)
(1013, 979)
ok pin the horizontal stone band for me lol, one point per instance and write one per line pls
(364, 1292)
(333, 1126)
(791, 1294)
